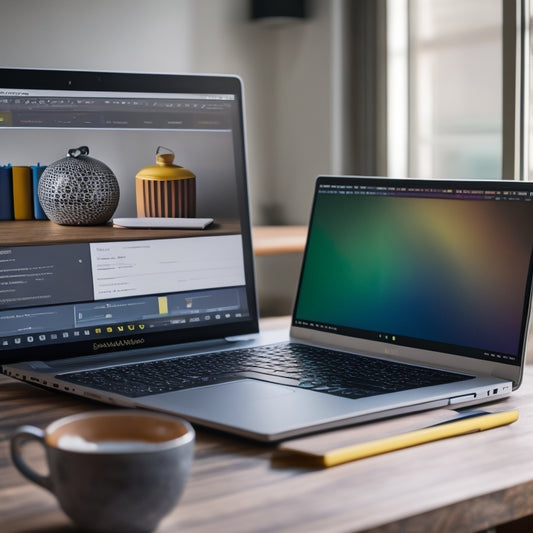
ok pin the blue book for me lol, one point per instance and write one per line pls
(6, 193)
(36, 172)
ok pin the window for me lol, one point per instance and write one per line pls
(453, 65)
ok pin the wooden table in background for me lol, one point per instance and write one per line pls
(270, 240)
(464, 484)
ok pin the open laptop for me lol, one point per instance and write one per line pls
(414, 294)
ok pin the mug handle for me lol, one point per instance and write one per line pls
(22, 436)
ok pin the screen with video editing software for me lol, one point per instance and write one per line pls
(433, 268)
(100, 294)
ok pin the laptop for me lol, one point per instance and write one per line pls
(413, 294)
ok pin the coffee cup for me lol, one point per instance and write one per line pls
(112, 470)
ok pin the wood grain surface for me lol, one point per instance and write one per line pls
(13, 232)
(464, 484)
(267, 240)
(270, 240)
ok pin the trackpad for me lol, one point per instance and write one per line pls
(251, 406)
(250, 389)
(246, 402)
(233, 395)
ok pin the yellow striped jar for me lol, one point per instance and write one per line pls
(165, 189)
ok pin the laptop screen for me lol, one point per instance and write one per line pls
(435, 265)
(67, 290)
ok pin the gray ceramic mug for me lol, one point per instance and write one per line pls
(112, 470)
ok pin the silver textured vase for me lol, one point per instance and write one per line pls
(78, 190)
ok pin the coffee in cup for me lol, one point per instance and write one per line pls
(112, 470)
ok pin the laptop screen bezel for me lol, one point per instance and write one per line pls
(151, 83)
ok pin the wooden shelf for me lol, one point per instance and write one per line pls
(17, 232)
(267, 240)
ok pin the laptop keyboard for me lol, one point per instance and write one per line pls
(318, 369)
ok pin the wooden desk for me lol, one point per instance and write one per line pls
(464, 484)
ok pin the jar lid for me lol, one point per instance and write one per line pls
(164, 169)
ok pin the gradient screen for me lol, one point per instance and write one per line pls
(430, 266)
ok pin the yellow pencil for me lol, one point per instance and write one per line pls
(470, 424)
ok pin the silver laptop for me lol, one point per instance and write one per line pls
(413, 295)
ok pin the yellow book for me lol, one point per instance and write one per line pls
(22, 193)
(311, 452)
